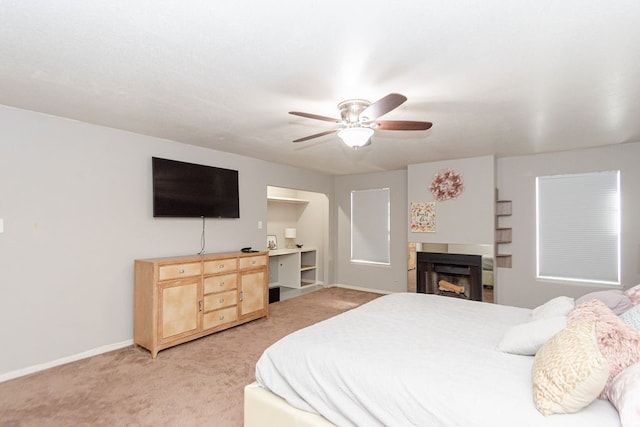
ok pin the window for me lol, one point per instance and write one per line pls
(578, 227)
(370, 226)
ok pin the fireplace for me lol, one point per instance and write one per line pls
(453, 275)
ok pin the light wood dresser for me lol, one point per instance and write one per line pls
(178, 299)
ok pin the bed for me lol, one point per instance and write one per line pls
(405, 359)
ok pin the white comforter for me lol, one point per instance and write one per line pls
(413, 360)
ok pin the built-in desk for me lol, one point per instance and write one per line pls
(293, 268)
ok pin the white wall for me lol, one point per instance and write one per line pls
(392, 278)
(468, 219)
(516, 181)
(77, 209)
(76, 203)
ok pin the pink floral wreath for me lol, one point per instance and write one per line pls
(446, 185)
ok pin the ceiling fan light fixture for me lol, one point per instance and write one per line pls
(355, 137)
(359, 118)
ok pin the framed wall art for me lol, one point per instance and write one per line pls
(272, 242)
(423, 217)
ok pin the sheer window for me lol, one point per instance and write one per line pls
(578, 227)
(370, 226)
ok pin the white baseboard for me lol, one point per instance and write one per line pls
(41, 367)
(358, 288)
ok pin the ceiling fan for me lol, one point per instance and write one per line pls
(359, 118)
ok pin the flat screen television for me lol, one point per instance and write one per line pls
(188, 190)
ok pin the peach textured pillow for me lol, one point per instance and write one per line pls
(618, 342)
(569, 371)
(634, 294)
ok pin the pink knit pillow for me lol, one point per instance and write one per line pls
(618, 342)
(624, 393)
(634, 294)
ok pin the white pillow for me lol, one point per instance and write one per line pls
(558, 306)
(527, 338)
(624, 393)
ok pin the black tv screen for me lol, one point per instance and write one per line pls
(189, 190)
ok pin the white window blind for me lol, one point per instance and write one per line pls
(370, 226)
(578, 227)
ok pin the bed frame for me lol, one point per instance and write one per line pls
(265, 409)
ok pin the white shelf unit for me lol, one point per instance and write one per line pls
(293, 268)
(308, 266)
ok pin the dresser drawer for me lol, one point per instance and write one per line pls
(220, 317)
(224, 282)
(221, 300)
(253, 262)
(220, 266)
(177, 271)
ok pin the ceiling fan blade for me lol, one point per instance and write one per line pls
(306, 138)
(403, 125)
(314, 116)
(383, 106)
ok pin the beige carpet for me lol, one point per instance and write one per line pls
(195, 384)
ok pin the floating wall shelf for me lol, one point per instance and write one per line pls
(277, 199)
(503, 234)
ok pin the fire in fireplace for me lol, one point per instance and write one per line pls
(453, 275)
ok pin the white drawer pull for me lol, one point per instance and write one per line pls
(221, 300)
(181, 271)
(222, 283)
(221, 266)
(221, 317)
(253, 262)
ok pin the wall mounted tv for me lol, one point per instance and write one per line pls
(188, 190)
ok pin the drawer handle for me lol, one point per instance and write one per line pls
(221, 317)
(221, 266)
(199, 305)
(241, 295)
(253, 262)
(221, 300)
(222, 283)
(181, 271)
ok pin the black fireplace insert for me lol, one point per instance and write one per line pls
(454, 275)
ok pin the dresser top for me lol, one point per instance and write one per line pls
(203, 257)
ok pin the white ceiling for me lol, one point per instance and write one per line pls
(495, 77)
